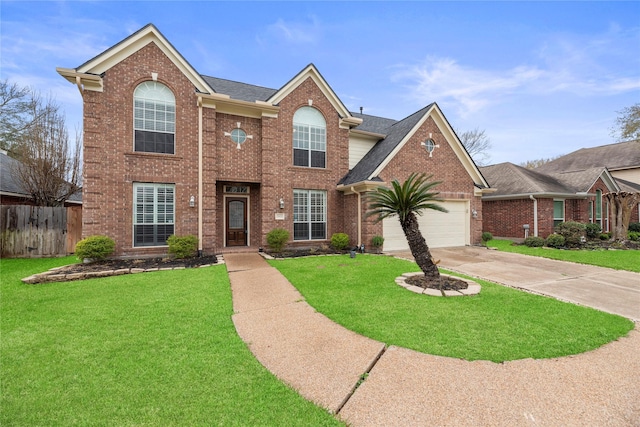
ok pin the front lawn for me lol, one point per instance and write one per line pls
(617, 259)
(155, 349)
(498, 324)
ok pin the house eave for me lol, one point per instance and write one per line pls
(368, 134)
(579, 195)
(225, 104)
(84, 81)
(359, 187)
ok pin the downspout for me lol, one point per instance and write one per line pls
(79, 84)
(200, 175)
(535, 215)
(359, 216)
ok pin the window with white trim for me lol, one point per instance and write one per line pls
(558, 212)
(309, 215)
(309, 138)
(153, 213)
(154, 118)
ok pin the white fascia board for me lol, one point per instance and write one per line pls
(134, 43)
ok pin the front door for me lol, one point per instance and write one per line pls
(236, 227)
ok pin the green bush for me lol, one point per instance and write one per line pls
(183, 246)
(555, 241)
(605, 236)
(634, 236)
(593, 230)
(635, 227)
(486, 236)
(377, 241)
(277, 238)
(340, 241)
(95, 248)
(573, 233)
(534, 242)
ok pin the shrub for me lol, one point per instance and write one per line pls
(605, 236)
(555, 240)
(486, 236)
(340, 241)
(377, 241)
(634, 236)
(534, 242)
(635, 227)
(593, 230)
(277, 238)
(573, 233)
(183, 246)
(95, 248)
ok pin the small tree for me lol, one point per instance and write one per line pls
(406, 201)
(622, 203)
(627, 125)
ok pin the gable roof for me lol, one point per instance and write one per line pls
(397, 134)
(238, 90)
(11, 187)
(512, 181)
(622, 155)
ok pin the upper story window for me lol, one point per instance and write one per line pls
(154, 113)
(309, 138)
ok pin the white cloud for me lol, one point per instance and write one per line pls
(294, 32)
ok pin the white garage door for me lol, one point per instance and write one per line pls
(439, 229)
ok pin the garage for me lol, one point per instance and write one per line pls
(439, 229)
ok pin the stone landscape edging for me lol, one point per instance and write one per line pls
(473, 288)
(54, 275)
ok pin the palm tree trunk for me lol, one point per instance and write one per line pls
(419, 248)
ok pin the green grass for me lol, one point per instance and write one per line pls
(147, 349)
(499, 324)
(619, 260)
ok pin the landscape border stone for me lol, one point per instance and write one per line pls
(473, 288)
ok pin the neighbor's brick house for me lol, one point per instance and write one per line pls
(170, 151)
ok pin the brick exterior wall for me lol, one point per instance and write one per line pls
(264, 163)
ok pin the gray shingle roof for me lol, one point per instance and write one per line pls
(374, 124)
(9, 185)
(241, 91)
(374, 158)
(512, 180)
(613, 156)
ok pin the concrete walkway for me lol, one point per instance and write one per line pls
(324, 362)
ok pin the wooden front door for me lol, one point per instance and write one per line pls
(236, 224)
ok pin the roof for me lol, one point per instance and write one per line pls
(241, 91)
(383, 148)
(622, 155)
(10, 187)
(513, 181)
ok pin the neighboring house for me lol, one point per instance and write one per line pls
(570, 188)
(12, 192)
(170, 151)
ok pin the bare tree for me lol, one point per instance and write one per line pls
(49, 169)
(477, 144)
(622, 203)
(19, 108)
(627, 124)
(532, 164)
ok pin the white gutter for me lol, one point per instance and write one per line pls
(200, 175)
(535, 215)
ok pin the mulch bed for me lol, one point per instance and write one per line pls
(144, 263)
(302, 252)
(448, 283)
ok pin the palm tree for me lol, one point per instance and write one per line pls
(406, 201)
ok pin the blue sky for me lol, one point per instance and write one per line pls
(541, 78)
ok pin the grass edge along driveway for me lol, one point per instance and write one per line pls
(499, 324)
(144, 349)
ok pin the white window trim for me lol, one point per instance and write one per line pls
(155, 186)
(309, 222)
(564, 210)
(167, 101)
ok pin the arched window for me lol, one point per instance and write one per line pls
(309, 138)
(154, 117)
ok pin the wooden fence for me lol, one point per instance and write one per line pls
(37, 231)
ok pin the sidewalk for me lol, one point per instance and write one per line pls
(324, 362)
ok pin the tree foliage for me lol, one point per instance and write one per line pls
(532, 164)
(49, 167)
(627, 124)
(405, 201)
(477, 144)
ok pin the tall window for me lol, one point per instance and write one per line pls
(558, 212)
(309, 215)
(153, 215)
(154, 114)
(309, 138)
(599, 208)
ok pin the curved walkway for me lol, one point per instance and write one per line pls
(325, 363)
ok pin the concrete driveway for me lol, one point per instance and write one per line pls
(605, 289)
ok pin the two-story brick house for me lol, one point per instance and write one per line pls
(170, 151)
